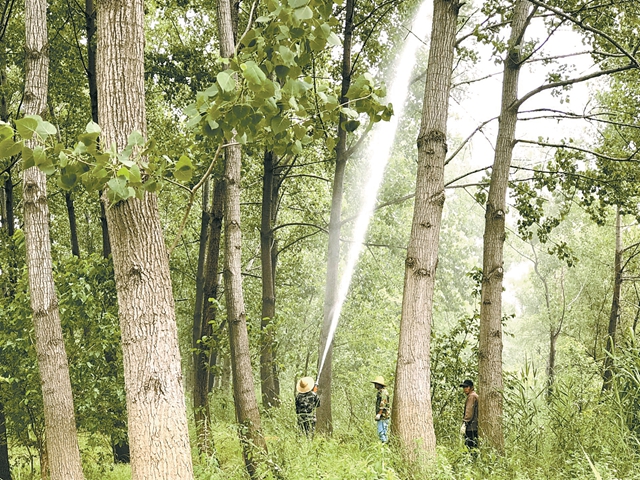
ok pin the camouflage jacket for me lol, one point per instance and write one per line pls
(382, 404)
(306, 404)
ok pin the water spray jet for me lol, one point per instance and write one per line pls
(378, 153)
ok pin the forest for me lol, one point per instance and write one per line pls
(202, 203)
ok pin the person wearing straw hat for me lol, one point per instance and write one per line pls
(383, 410)
(307, 401)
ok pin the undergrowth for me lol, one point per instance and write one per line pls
(575, 433)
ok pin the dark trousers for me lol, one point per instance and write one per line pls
(471, 438)
(307, 427)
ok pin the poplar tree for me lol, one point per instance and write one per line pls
(157, 421)
(411, 415)
(244, 395)
(63, 454)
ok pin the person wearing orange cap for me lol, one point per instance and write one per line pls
(383, 410)
(307, 401)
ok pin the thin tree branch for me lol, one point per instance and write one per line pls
(589, 28)
(466, 140)
(192, 196)
(571, 81)
(579, 149)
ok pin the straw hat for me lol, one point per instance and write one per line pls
(305, 384)
(379, 380)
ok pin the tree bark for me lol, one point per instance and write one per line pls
(554, 327)
(61, 436)
(7, 188)
(268, 370)
(554, 333)
(8, 201)
(73, 225)
(324, 416)
(5, 468)
(247, 413)
(614, 315)
(212, 283)
(244, 395)
(91, 28)
(6, 223)
(157, 420)
(411, 415)
(198, 344)
(490, 341)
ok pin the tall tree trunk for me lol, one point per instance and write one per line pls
(554, 333)
(5, 468)
(73, 226)
(411, 415)
(268, 371)
(211, 281)
(157, 420)
(554, 328)
(6, 223)
(3, 206)
(244, 395)
(615, 307)
(8, 199)
(490, 341)
(90, 27)
(324, 416)
(200, 350)
(61, 436)
(7, 188)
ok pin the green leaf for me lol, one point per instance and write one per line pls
(295, 87)
(26, 127)
(9, 147)
(92, 127)
(287, 54)
(349, 112)
(151, 186)
(227, 82)
(88, 138)
(44, 129)
(279, 124)
(194, 121)
(184, 169)
(67, 180)
(39, 156)
(282, 71)
(253, 73)
(123, 172)
(298, 3)
(27, 158)
(212, 91)
(135, 139)
(47, 167)
(118, 190)
(63, 159)
(135, 177)
(296, 148)
(351, 125)
(333, 40)
(303, 13)
(5, 131)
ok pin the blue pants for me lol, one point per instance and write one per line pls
(383, 427)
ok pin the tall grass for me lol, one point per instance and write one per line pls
(575, 433)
